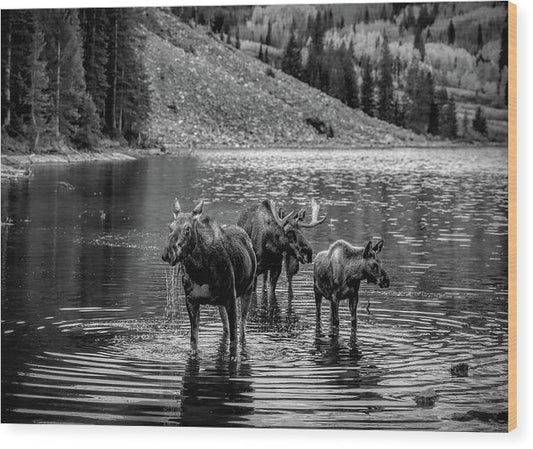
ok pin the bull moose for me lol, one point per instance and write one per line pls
(274, 236)
(292, 263)
(338, 273)
(218, 266)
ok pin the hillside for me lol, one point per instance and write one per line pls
(206, 93)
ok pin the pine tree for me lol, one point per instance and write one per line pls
(419, 90)
(503, 56)
(479, 38)
(266, 59)
(465, 124)
(127, 101)
(260, 54)
(350, 79)
(419, 43)
(385, 86)
(237, 39)
(291, 61)
(367, 16)
(37, 98)
(449, 119)
(65, 71)
(334, 60)
(451, 33)
(479, 123)
(433, 125)
(268, 39)
(17, 38)
(95, 26)
(399, 112)
(423, 17)
(367, 90)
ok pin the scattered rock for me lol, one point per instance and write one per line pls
(66, 185)
(460, 369)
(426, 398)
(482, 415)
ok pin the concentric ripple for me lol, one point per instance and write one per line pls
(88, 335)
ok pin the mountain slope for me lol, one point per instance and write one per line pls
(206, 93)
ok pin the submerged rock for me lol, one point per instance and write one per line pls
(460, 369)
(426, 398)
(481, 415)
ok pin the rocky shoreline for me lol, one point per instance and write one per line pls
(17, 166)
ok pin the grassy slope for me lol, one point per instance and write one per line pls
(206, 93)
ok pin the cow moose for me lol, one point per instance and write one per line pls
(274, 236)
(338, 273)
(218, 266)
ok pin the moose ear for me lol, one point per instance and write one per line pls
(197, 211)
(176, 208)
(379, 246)
(368, 248)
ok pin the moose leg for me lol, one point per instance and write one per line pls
(224, 318)
(274, 276)
(354, 300)
(291, 268)
(318, 303)
(334, 317)
(231, 308)
(245, 303)
(193, 309)
(264, 288)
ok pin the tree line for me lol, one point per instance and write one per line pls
(404, 95)
(73, 76)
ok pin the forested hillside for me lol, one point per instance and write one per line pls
(301, 75)
(437, 68)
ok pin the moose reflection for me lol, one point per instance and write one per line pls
(218, 266)
(338, 273)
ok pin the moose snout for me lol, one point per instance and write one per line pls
(384, 281)
(306, 255)
(169, 256)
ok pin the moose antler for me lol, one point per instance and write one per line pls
(315, 207)
(280, 221)
(176, 208)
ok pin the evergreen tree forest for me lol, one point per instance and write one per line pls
(407, 64)
(72, 77)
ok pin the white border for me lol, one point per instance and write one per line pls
(81, 437)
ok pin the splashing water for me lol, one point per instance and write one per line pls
(175, 307)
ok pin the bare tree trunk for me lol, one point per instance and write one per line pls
(58, 88)
(33, 94)
(115, 76)
(121, 105)
(7, 121)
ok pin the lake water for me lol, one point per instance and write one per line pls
(87, 336)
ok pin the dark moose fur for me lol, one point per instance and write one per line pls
(218, 265)
(274, 236)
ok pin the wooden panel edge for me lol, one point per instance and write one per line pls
(511, 130)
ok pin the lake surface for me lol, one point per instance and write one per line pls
(88, 335)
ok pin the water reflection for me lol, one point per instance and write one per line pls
(217, 395)
(83, 294)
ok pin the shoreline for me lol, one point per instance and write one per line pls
(17, 165)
